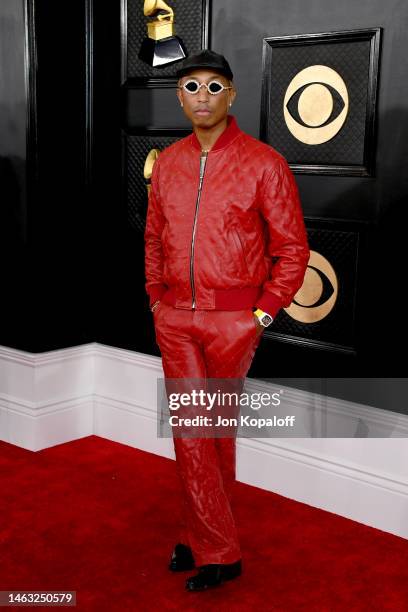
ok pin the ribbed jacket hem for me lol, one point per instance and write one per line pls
(232, 299)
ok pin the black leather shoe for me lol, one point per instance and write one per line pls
(182, 559)
(212, 575)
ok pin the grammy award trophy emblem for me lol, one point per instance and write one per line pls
(161, 47)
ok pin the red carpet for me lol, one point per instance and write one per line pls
(100, 518)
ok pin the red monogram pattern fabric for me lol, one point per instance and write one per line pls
(239, 241)
(206, 344)
(224, 233)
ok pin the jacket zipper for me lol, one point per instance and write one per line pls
(203, 159)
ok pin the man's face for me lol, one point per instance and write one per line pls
(204, 109)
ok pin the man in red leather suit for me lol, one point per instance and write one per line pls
(225, 249)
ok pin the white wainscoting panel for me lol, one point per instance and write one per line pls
(63, 395)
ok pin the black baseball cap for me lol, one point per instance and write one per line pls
(205, 59)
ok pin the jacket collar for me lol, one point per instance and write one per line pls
(228, 135)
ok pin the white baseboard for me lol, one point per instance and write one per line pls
(47, 398)
(59, 396)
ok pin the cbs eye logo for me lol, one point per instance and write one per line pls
(318, 294)
(316, 104)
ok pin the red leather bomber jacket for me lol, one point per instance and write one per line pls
(233, 239)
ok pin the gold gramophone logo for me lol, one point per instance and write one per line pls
(316, 104)
(318, 294)
(148, 167)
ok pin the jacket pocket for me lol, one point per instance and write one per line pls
(240, 249)
(163, 238)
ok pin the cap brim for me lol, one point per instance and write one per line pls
(183, 71)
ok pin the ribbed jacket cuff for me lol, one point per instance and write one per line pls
(270, 303)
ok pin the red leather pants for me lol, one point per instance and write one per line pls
(206, 344)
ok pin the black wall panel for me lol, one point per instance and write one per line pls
(137, 148)
(49, 277)
(14, 173)
(336, 330)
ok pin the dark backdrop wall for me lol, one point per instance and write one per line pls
(49, 251)
(13, 180)
(73, 253)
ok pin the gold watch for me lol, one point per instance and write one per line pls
(264, 318)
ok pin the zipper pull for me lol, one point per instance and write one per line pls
(203, 159)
